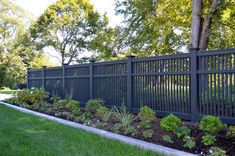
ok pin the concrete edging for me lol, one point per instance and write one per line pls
(131, 141)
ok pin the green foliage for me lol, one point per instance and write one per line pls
(93, 105)
(170, 123)
(145, 124)
(99, 125)
(147, 113)
(117, 127)
(148, 133)
(189, 142)
(60, 104)
(86, 116)
(104, 113)
(167, 139)
(208, 140)
(123, 117)
(182, 131)
(130, 130)
(231, 131)
(74, 107)
(216, 151)
(70, 27)
(31, 96)
(210, 124)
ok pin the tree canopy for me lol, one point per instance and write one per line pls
(156, 27)
(70, 27)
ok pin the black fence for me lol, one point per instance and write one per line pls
(188, 85)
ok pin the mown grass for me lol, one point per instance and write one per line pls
(26, 135)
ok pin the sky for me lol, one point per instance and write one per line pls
(37, 7)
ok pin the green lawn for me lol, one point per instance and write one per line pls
(8, 91)
(26, 135)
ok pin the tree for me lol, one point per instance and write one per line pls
(156, 27)
(68, 26)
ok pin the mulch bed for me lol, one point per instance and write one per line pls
(224, 142)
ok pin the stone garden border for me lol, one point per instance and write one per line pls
(128, 140)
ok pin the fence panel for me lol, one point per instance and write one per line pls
(189, 85)
(217, 83)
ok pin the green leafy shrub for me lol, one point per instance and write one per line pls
(123, 117)
(211, 125)
(30, 96)
(182, 131)
(189, 142)
(130, 130)
(99, 125)
(145, 124)
(148, 133)
(104, 113)
(216, 151)
(231, 131)
(74, 107)
(60, 104)
(147, 113)
(170, 123)
(167, 139)
(208, 140)
(93, 105)
(86, 116)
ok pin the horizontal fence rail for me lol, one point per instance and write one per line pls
(188, 85)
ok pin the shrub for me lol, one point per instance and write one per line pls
(216, 151)
(117, 127)
(170, 123)
(130, 130)
(167, 139)
(123, 117)
(208, 139)
(86, 116)
(60, 104)
(148, 133)
(182, 131)
(30, 96)
(189, 142)
(147, 113)
(145, 124)
(210, 124)
(93, 105)
(231, 131)
(74, 107)
(104, 113)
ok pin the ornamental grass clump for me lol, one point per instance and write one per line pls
(104, 113)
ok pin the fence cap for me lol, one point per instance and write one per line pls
(92, 60)
(130, 56)
(194, 49)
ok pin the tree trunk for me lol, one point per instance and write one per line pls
(196, 23)
(207, 25)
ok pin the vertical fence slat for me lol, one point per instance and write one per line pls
(129, 82)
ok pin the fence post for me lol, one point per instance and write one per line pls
(27, 74)
(43, 77)
(91, 78)
(194, 84)
(129, 82)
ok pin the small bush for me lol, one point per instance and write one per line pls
(117, 127)
(208, 140)
(231, 131)
(60, 104)
(182, 131)
(74, 107)
(130, 130)
(210, 124)
(104, 113)
(93, 105)
(148, 133)
(30, 96)
(170, 123)
(147, 113)
(167, 139)
(216, 151)
(189, 142)
(145, 124)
